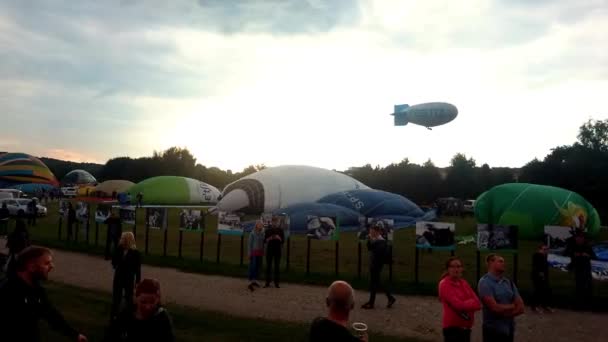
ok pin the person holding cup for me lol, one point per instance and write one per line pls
(340, 302)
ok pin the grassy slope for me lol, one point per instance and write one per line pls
(322, 256)
(88, 311)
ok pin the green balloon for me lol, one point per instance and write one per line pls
(531, 207)
(173, 190)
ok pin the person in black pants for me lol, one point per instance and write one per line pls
(378, 254)
(71, 220)
(113, 235)
(127, 272)
(274, 238)
(581, 254)
(540, 280)
(16, 242)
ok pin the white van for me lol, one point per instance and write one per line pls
(15, 193)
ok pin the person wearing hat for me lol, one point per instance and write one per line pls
(378, 256)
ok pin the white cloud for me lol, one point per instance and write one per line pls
(524, 78)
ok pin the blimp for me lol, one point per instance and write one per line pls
(425, 114)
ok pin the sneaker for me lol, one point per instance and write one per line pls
(538, 310)
(549, 309)
(277, 286)
(391, 301)
(266, 286)
(250, 287)
(367, 306)
(256, 284)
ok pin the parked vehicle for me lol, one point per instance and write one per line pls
(469, 206)
(69, 191)
(19, 205)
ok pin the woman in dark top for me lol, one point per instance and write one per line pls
(147, 321)
(16, 241)
(127, 271)
(540, 280)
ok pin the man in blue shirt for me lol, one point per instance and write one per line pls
(501, 302)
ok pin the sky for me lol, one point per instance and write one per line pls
(311, 82)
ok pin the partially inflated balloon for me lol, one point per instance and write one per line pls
(282, 186)
(22, 171)
(172, 190)
(381, 204)
(531, 207)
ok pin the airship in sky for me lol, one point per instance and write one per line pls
(425, 114)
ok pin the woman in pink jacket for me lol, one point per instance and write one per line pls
(459, 303)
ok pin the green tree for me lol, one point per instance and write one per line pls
(594, 135)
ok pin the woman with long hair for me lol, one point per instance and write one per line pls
(127, 271)
(459, 303)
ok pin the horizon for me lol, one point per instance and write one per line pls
(300, 82)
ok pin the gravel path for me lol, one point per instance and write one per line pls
(411, 316)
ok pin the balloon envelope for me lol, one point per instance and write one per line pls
(173, 190)
(78, 177)
(282, 186)
(24, 172)
(348, 219)
(111, 186)
(380, 204)
(531, 207)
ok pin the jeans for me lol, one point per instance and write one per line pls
(492, 335)
(454, 334)
(122, 287)
(375, 285)
(255, 262)
(273, 258)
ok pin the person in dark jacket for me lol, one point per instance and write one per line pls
(113, 235)
(24, 300)
(340, 302)
(274, 238)
(378, 255)
(32, 211)
(540, 280)
(580, 252)
(127, 272)
(147, 321)
(16, 242)
(4, 217)
(71, 220)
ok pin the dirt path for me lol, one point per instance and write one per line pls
(412, 316)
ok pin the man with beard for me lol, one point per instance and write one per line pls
(24, 300)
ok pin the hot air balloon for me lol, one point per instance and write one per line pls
(24, 172)
(426, 114)
(109, 187)
(531, 207)
(381, 205)
(173, 190)
(282, 186)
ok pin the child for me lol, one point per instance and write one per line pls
(256, 252)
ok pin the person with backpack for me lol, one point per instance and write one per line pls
(379, 254)
(459, 303)
(501, 302)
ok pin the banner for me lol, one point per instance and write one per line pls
(190, 220)
(322, 228)
(82, 211)
(494, 237)
(599, 269)
(102, 212)
(127, 215)
(156, 218)
(229, 224)
(436, 235)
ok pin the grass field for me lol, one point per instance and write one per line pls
(88, 312)
(322, 262)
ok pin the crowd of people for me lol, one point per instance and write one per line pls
(137, 313)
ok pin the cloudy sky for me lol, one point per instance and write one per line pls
(299, 82)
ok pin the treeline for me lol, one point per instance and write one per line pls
(581, 167)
